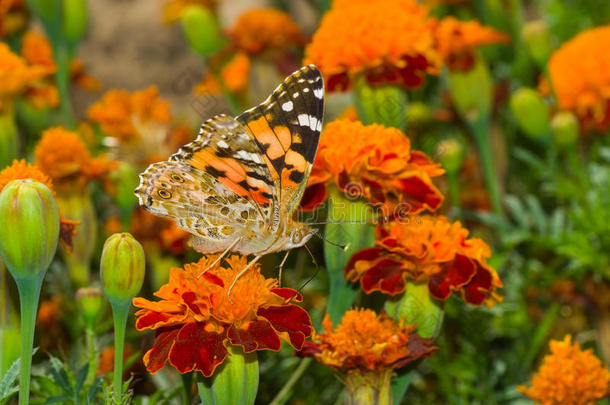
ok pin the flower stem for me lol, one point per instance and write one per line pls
(119, 313)
(187, 383)
(454, 191)
(481, 134)
(296, 375)
(92, 355)
(62, 76)
(29, 293)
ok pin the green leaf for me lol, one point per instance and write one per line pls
(8, 379)
(517, 211)
(61, 376)
(93, 390)
(537, 213)
(57, 400)
(80, 379)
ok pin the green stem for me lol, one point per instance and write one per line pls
(62, 76)
(92, 356)
(29, 294)
(298, 373)
(481, 133)
(454, 191)
(119, 313)
(187, 384)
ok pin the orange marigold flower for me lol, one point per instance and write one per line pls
(569, 376)
(195, 318)
(365, 341)
(457, 41)
(173, 9)
(13, 17)
(376, 163)
(427, 249)
(389, 41)
(124, 116)
(581, 79)
(262, 29)
(16, 74)
(236, 73)
(80, 78)
(208, 85)
(42, 95)
(37, 51)
(106, 362)
(63, 156)
(22, 170)
(49, 312)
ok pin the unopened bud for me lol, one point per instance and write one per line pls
(90, 301)
(122, 267)
(565, 128)
(451, 154)
(74, 19)
(531, 112)
(538, 41)
(201, 30)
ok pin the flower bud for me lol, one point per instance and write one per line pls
(538, 41)
(30, 228)
(418, 115)
(565, 128)
(122, 267)
(74, 19)
(531, 112)
(472, 91)
(90, 302)
(201, 30)
(451, 154)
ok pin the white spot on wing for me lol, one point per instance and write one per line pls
(222, 144)
(319, 93)
(313, 122)
(303, 120)
(287, 106)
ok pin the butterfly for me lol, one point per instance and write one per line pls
(237, 187)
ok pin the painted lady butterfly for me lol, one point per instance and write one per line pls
(238, 185)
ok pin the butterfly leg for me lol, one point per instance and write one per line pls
(219, 258)
(279, 276)
(241, 273)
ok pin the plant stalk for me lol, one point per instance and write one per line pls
(119, 313)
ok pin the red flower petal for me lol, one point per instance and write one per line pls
(197, 349)
(422, 193)
(258, 335)
(476, 291)
(155, 358)
(189, 298)
(368, 254)
(154, 320)
(313, 197)
(288, 293)
(291, 319)
(386, 276)
(454, 275)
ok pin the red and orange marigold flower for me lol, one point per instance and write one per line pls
(581, 79)
(195, 319)
(387, 41)
(16, 75)
(457, 41)
(569, 376)
(431, 250)
(367, 342)
(236, 73)
(376, 163)
(263, 29)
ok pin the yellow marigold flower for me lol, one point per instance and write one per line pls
(120, 114)
(457, 40)
(173, 9)
(22, 170)
(236, 73)
(365, 341)
(569, 376)
(16, 74)
(195, 319)
(389, 41)
(581, 78)
(266, 28)
(63, 156)
(37, 51)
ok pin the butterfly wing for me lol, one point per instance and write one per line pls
(217, 187)
(287, 127)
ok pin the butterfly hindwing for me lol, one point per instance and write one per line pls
(287, 127)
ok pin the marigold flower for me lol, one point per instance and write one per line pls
(580, 78)
(195, 318)
(457, 41)
(569, 376)
(42, 95)
(389, 41)
(155, 232)
(376, 163)
(265, 29)
(13, 17)
(63, 156)
(16, 74)
(208, 85)
(80, 78)
(427, 249)
(106, 362)
(173, 9)
(365, 341)
(48, 319)
(122, 115)
(22, 170)
(236, 73)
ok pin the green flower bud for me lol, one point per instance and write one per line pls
(565, 128)
(30, 228)
(538, 41)
(531, 112)
(451, 154)
(418, 115)
(90, 302)
(201, 30)
(74, 19)
(472, 91)
(122, 267)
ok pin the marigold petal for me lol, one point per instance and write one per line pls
(256, 335)
(288, 294)
(197, 349)
(155, 358)
(478, 289)
(453, 276)
(289, 319)
(386, 275)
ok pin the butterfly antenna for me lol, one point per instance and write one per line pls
(300, 289)
(313, 259)
(343, 247)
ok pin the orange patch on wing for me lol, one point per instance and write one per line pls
(230, 166)
(298, 163)
(260, 130)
